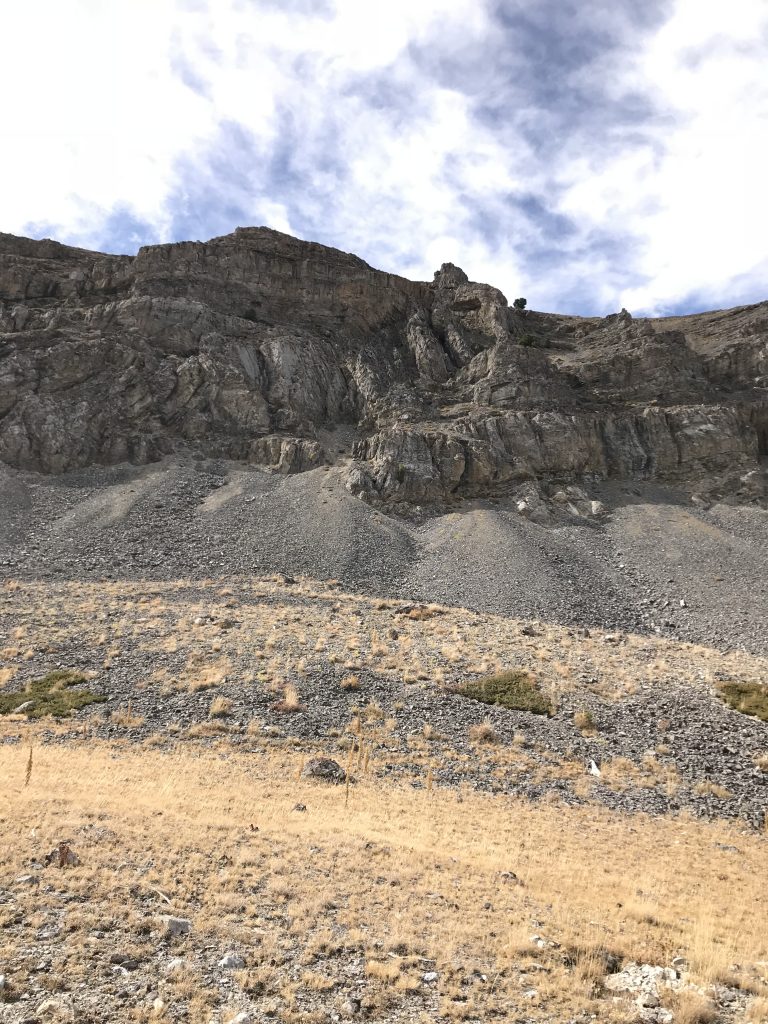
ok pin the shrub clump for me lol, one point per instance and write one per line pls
(748, 698)
(514, 690)
(54, 694)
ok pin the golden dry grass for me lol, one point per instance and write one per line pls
(403, 880)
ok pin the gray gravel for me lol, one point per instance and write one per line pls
(654, 563)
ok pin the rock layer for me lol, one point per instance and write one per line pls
(257, 346)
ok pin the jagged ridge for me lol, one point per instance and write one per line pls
(253, 345)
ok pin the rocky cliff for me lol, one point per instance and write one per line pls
(262, 348)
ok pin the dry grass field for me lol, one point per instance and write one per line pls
(395, 898)
(367, 891)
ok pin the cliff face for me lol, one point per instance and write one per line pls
(255, 345)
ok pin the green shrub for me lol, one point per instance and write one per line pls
(54, 694)
(520, 304)
(527, 340)
(748, 698)
(515, 690)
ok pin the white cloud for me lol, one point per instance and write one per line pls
(692, 195)
(364, 130)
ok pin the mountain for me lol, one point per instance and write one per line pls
(265, 349)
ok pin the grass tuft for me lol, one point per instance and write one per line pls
(515, 690)
(220, 707)
(691, 1007)
(54, 694)
(584, 721)
(483, 733)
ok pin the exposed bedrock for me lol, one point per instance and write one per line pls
(256, 346)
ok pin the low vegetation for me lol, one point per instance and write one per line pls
(585, 722)
(748, 698)
(484, 733)
(58, 693)
(369, 891)
(515, 690)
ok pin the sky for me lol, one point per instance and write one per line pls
(586, 154)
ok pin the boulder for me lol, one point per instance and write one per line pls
(324, 769)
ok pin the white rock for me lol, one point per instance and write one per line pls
(232, 962)
(429, 977)
(158, 1005)
(174, 965)
(244, 1017)
(649, 999)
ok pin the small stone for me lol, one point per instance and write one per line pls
(351, 1006)
(158, 1005)
(175, 925)
(430, 977)
(174, 965)
(680, 963)
(232, 962)
(244, 1017)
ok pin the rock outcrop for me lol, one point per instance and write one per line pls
(255, 345)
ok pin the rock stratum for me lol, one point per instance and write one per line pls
(261, 348)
